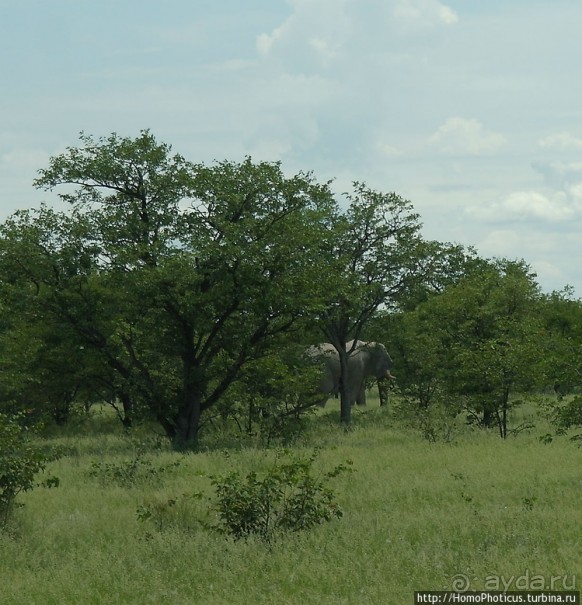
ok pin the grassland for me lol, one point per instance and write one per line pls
(418, 515)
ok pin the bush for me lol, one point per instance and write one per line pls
(437, 422)
(567, 415)
(138, 469)
(273, 397)
(287, 498)
(20, 461)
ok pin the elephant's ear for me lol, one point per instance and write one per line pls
(382, 360)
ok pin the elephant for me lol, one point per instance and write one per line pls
(366, 359)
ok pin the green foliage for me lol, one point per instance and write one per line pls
(416, 344)
(414, 329)
(46, 368)
(273, 396)
(562, 317)
(287, 498)
(20, 461)
(566, 415)
(475, 344)
(139, 469)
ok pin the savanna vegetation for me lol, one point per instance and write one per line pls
(158, 438)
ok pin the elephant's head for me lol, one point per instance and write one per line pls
(381, 362)
(367, 360)
(378, 360)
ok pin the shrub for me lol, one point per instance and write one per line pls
(289, 497)
(567, 415)
(134, 470)
(20, 461)
(437, 422)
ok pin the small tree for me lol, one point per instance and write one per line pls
(488, 338)
(20, 461)
(562, 320)
(288, 498)
(273, 394)
(415, 344)
(411, 329)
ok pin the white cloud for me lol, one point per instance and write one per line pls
(559, 202)
(424, 13)
(561, 140)
(548, 271)
(326, 50)
(466, 137)
(348, 29)
(534, 204)
(389, 150)
(315, 28)
(575, 192)
(556, 207)
(541, 249)
(448, 15)
(265, 42)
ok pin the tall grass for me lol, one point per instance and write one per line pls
(416, 514)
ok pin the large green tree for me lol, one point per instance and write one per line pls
(174, 275)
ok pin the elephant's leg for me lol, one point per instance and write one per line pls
(361, 398)
(383, 389)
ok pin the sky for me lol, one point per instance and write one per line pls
(470, 109)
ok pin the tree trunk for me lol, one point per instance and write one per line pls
(188, 417)
(503, 418)
(127, 403)
(187, 421)
(488, 418)
(345, 404)
(61, 413)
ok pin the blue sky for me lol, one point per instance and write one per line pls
(471, 109)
